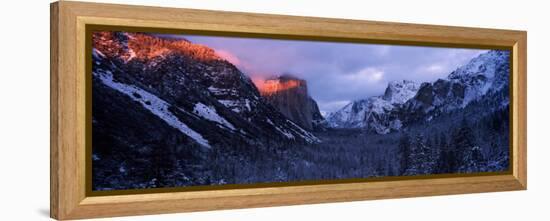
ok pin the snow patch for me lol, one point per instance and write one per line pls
(152, 103)
(284, 132)
(222, 91)
(97, 54)
(310, 138)
(247, 104)
(122, 169)
(211, 114)
(95, 157)
(237, 106)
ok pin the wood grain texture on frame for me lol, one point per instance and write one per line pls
(68, 117)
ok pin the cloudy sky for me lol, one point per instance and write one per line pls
(337, 73)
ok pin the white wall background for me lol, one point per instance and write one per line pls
(24, 109)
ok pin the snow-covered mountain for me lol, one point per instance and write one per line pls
(191, 93)
(375, 112)
(484, 77)
(488, 72)
(398, 92)
(405, 103)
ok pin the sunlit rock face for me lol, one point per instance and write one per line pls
(143, 47)
(290, 96)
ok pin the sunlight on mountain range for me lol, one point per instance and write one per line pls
(144, 47)
(272, 86)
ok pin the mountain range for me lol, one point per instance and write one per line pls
(211, 102)
(406, 102)
(167, 112)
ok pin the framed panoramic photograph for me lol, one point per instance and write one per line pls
(158, 110)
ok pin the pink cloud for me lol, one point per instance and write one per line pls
(256, 75)
(228, 56)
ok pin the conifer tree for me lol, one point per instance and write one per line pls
(468, 153)
(420, 157)
(404, 152)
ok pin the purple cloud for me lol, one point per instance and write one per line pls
(337, 73)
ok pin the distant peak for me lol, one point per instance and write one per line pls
(400, 83)
(484, 64)
(399, 92)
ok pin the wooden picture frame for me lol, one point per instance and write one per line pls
(69, 198)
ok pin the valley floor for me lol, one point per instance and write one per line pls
(342, 154)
